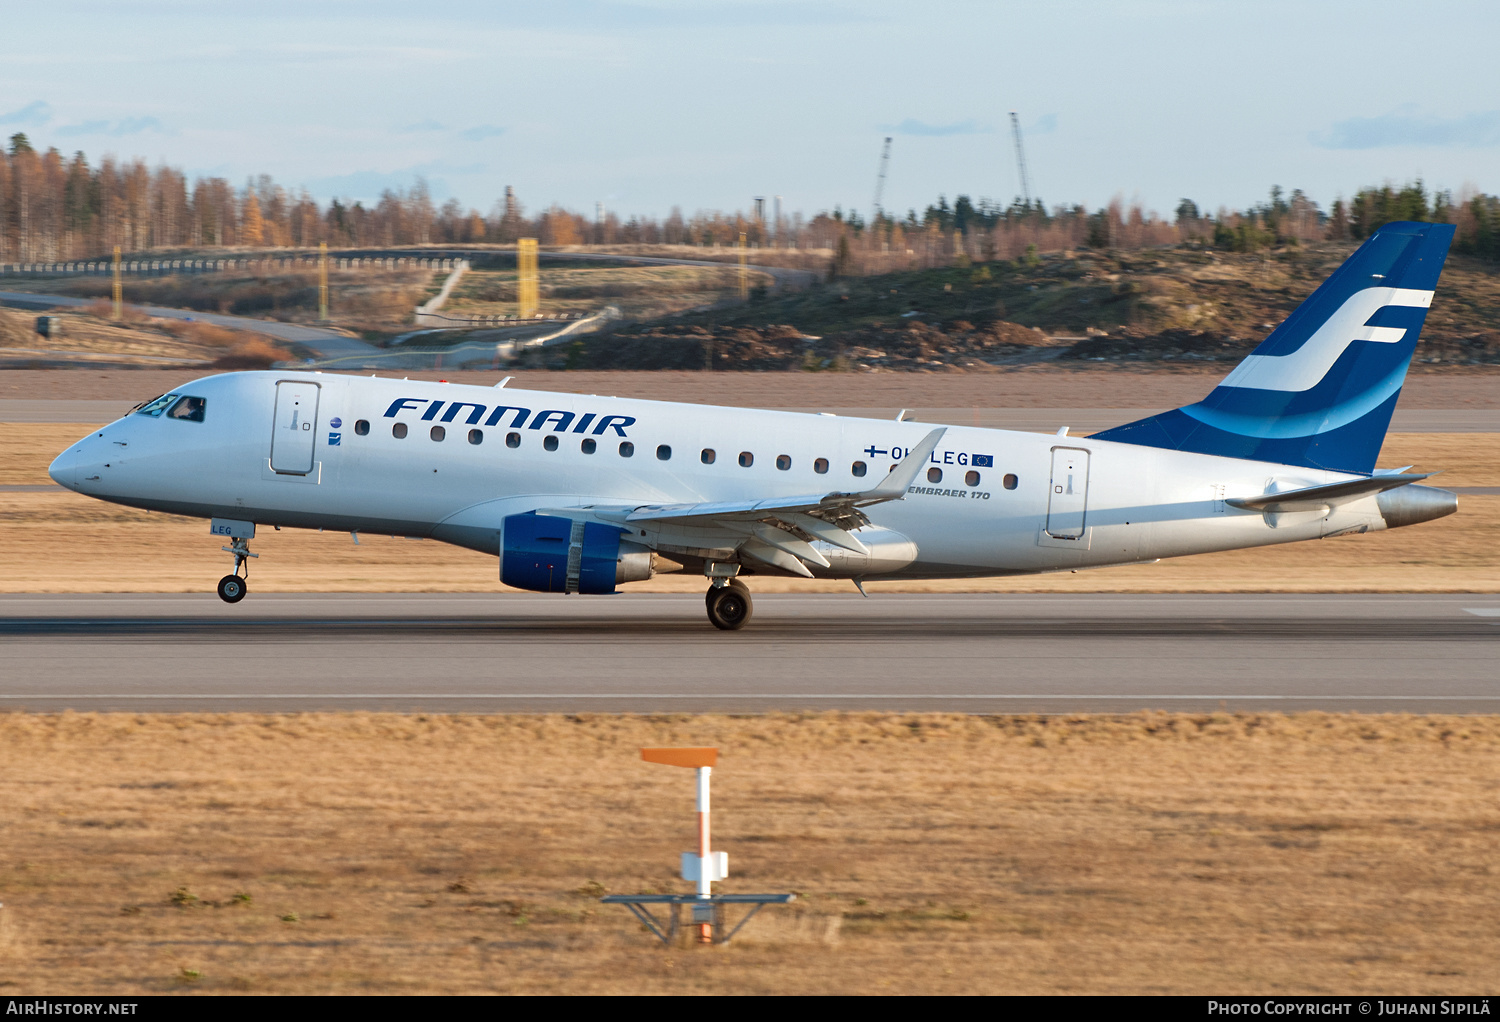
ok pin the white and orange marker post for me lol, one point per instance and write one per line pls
(707, 866)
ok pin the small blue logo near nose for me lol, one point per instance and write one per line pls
(335, 422)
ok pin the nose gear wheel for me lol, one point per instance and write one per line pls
(232, 588)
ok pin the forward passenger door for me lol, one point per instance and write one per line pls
(295, 430)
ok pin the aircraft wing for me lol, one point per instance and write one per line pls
(780, 530)
(837, 508)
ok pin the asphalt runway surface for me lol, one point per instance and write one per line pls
(646, 653)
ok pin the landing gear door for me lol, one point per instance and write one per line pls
(295, 429)
(1067, 501)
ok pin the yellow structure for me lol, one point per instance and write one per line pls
(526, 277)
(322, 281)
(118, 294)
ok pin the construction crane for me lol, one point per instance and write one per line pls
(1015, 130)
(885, 158)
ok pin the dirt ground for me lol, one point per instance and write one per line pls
(358, 853)
(62, 542)
(1096, 386)
(138, 341)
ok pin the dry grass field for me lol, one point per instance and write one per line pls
(62, 542)
(89, 335)
(950, 854)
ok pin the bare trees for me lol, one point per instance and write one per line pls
(56, 208)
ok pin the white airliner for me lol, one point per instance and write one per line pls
(579, 494)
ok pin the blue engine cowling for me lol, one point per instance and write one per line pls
(547, 554)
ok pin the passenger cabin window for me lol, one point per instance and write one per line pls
(476, 437)
(934, 475)
(783, 461)
(438, 433)
(589, 445)
(1009, 482)
(708, 456)
(157, 405)
(189, 409)
(399, 431)
(858, 468)
(821, 466)
(512, 440)
(549, 444)
(746, 459)
(627, 449)
(664, 453)
(362, 427)
(971, 478)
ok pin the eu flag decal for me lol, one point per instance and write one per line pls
(982, 460)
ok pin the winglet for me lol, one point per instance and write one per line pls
(893, 486)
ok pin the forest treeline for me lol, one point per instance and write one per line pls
(55, 208)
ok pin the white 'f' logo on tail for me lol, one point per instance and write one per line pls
(1305, 368)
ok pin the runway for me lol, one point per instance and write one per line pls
(1080, 421)
(657, 654)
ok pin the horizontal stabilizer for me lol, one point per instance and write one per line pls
(1321, 498)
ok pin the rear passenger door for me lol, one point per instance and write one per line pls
(1067, 501)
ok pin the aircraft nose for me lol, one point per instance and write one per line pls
(64, 468)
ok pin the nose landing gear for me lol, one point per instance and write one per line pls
(232, 588)
(728, 603)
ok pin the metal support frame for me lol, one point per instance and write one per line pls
(666, 930)
(242, 554)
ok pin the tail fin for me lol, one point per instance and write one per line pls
(1320, 390)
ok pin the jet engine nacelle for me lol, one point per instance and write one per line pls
(549, 554)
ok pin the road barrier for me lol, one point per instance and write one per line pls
(172, 267)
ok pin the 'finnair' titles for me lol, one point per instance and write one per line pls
(578, 494)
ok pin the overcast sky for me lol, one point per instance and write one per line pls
(705, 104)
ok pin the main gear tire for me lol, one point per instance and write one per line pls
(729, 607)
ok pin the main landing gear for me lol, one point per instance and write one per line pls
(232, 588)
(729, 605)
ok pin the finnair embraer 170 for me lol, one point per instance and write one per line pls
(579, 494)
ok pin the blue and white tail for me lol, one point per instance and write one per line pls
(1320, 390)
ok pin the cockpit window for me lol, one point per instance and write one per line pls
(157, 405)
(189, 408)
